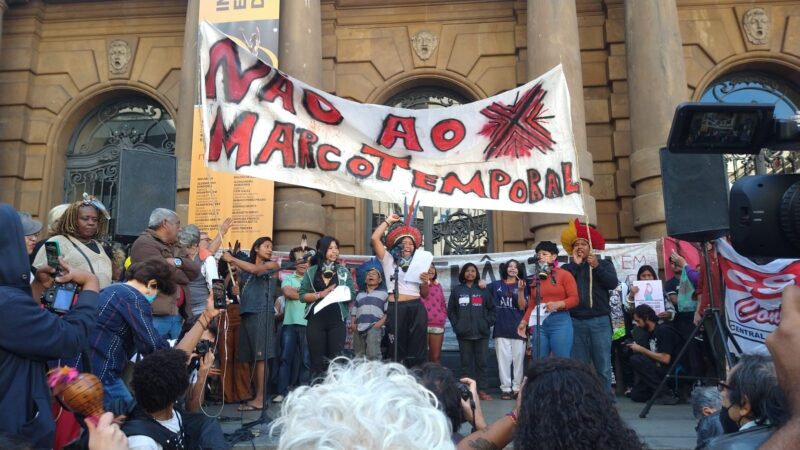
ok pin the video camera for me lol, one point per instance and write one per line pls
(764, 210)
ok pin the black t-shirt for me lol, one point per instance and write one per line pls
(666, 339)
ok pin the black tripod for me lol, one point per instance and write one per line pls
(263, 419)
(715, 314)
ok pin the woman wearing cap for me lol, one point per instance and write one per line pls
(559, 293)
(412, 331)
(326, 329)
(79, 233)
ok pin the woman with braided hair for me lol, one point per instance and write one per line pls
(79, 233)
(412, 318)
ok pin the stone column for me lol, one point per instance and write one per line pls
(3, 9)
(187, 97)
(656, 84)
(552, 40)
(299, 210)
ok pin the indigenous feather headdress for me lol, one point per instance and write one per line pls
(407, 229)
(576, 230)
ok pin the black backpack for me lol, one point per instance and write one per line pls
(144, 425)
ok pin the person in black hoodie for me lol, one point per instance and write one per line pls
(471, 312)
(31, 335)
(595, 277)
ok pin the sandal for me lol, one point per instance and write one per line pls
(244, 407)
(506, 396)
(484, 396)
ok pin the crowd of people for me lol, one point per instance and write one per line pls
(140, 316)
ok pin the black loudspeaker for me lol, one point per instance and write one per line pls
(146, 181)
(695, 190)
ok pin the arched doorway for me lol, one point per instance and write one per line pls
(758, 87)
(108, 149)
(446, 231)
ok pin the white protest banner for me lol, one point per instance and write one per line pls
(753, 295)
(514, 151)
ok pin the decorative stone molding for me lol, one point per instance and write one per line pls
(756, 26)
(119, 56)
(424, 43)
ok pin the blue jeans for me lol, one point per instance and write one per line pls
(295, 357)
(117, 392)
(592, 345)
(169, 327)
(556, 336)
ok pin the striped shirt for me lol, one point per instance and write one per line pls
(370, 307)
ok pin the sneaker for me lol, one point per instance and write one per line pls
(277, 399)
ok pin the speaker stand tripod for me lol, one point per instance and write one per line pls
(713, 313)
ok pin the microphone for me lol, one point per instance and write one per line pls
(308, 255)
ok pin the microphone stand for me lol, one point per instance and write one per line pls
(263, 419)
(396, 292)
(537, 283)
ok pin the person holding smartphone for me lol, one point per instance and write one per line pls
(31, 335)
(79, 235)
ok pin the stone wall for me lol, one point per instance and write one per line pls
(55, 69)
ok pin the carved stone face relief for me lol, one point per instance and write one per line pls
(119, 55)
(424, 43)
(756, 26)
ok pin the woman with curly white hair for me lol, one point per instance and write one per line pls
(363, 405)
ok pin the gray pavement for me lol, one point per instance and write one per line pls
(666, 427)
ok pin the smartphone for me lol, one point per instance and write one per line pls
(64, 294)
(218, 288)
(52, 251)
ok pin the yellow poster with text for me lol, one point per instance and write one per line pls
(214, 196)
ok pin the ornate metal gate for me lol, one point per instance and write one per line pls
(134, 123)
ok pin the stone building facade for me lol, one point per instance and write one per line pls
(628, 63)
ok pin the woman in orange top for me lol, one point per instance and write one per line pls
(559, 293)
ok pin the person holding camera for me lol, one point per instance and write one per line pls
(201, 365)
(650, 364)
(458, 399)
(125, 327)
(159, 381)
(30, 335)
(558, 291)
